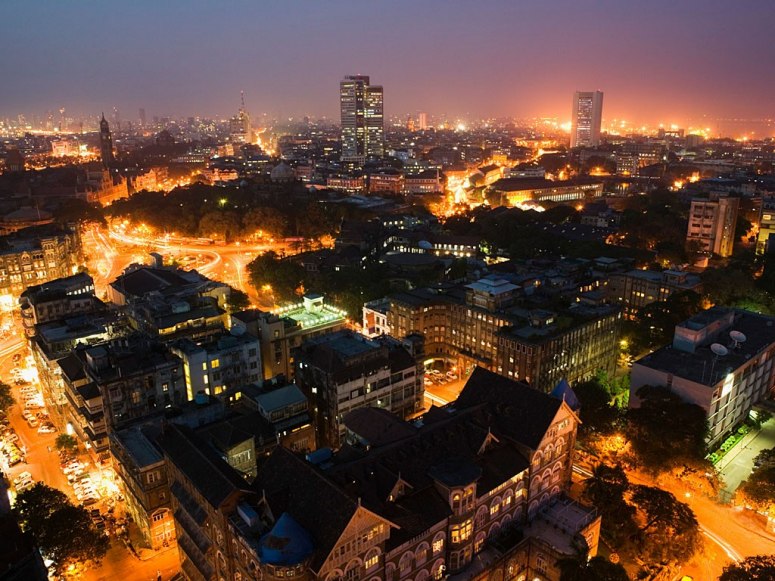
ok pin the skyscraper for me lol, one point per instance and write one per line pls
(361, 105)
(587, 117)
(239, 125)
(106, 143)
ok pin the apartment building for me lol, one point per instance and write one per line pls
(712, 223)
(721, 360)
(638, 288)
(343, 371)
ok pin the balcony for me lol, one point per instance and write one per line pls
(193, 531)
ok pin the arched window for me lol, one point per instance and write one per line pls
(353, 570)
(495, 506)
(390, 572)
(479, 541)
(437, 571)
(508, 499)
(438, 543)
(335, 575)
(421, 554)
(505, 521)
(372, 558)
(495, 530)
(481, 517)
(405, 564)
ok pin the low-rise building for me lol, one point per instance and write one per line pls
(342, 371)
(220, 365)
(57, 299)
(142, 475)
(638, 288)
(516, 191)
(721, 360)
(35, 255)
(464, 492)
(282, 331)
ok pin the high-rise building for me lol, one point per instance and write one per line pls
(142, 116)
(363, 132)
(587, 117)
(239, 125)
(713, 223)
(422, 121)
(106, 143)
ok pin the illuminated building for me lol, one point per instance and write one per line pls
(142, 475)
(766, 225)
(240, 129)
(722, 360)
(514, 191)
(106, 143)
(282, 331)
(712, 224)
(361, 106)
(476, 489)
(485, 323)
(219, 366)
(422, 121)
(638, 288)
(344, 371)
(32, 256)
(587, 116)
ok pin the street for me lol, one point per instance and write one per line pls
(738, 467)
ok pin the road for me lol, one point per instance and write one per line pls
(738, 467)
(732, 534)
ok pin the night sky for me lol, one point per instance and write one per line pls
(657, 60)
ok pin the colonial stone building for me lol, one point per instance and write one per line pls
(474, 488)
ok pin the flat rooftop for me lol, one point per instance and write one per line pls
(705, 367)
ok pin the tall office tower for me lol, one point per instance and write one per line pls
(239, 125)
(422, 121)
(712, 223)
(142, 116)
(106, 143)
(363, 132)
(587, 117)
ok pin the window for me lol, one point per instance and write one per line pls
(461, 532)
(154, 477)
(372, 559)
(438, 543)
(136, 396)
(215, 363)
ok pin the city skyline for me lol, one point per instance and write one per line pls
(443, 59)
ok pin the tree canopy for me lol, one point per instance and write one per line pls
(6, 397)
(64, 532)
(756, 568)
(665, 429)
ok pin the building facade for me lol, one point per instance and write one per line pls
(468, 491)
(587, 117)
(361, 106)
(721, 360)
(638, 288)
(712, 224)
(343, 371)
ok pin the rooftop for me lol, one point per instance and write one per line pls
(142, 451)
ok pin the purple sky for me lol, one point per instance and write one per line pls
(656, 60)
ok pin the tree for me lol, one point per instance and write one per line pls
(220, 224)
(755, 568)
(64, 532)
(6, 397)
(576, 567)
(665, 429)
(238, 300)
(264, 219)
(670, 531)
(66, 442)
(597, 413)
(606, 490)
(758, 490)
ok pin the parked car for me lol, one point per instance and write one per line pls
(47, 429)
(33, 422)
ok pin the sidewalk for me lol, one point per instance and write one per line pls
(739, 447)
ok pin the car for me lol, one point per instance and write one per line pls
(23, 476)
(12, 437)
(33, 422)
(89, 501)
(33, 405)
(46, 429)
(14, 459)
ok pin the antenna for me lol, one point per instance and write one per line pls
(719, 351)
(738, 338)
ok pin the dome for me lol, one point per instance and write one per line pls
(287, 544)
(282, 172)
